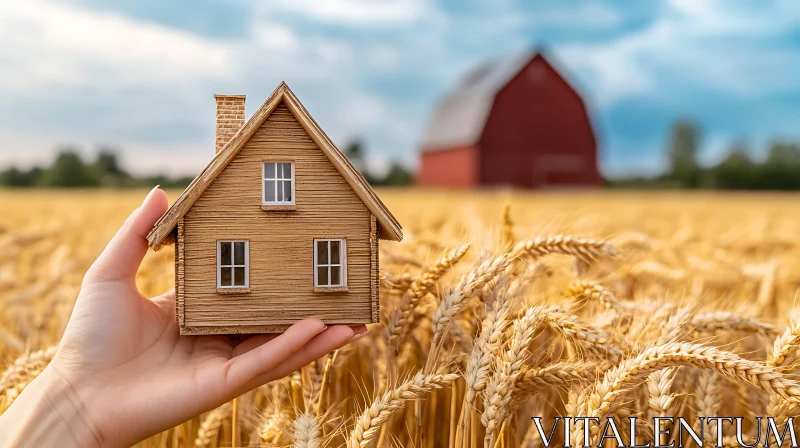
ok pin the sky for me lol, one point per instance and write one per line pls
(141, 74)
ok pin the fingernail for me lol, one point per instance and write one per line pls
(150, 193)
(324, 327)
(358, 336)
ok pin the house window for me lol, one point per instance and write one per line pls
(330, 263)
(278, 183)
(233, 264)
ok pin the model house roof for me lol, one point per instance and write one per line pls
(390, 228)
(460, 117)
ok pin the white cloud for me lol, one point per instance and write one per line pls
(593, 14)
(88, 77)
(52, 44)
(692, 43)
(358, 12)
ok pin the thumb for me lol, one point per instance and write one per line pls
(124, 253)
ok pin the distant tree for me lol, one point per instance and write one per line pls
(107, 161)
(737, 171)
(14, 177)
(107, 170)
(68, 170)
(683, 144)
(354, 150)
(397, 176)
(781, 169)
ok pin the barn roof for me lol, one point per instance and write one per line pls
(390, 228)
(459, 118)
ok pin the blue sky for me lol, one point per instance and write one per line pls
(141, 74)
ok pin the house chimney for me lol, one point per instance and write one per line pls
(230, 117)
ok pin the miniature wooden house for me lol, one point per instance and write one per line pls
(278, 227)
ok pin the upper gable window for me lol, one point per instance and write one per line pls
(278, 181)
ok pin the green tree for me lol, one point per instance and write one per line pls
(683, 144)
(68, 170)
(737, 171)
(354, 150)
(781, 169)
(397, 176)
(107, 170)
(107, 162)
(15, 177)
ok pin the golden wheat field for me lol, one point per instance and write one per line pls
(497, 306)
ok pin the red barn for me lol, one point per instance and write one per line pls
(510, 122)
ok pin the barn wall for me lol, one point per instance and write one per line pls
(454, 168)
(538, 133)
(281, 242)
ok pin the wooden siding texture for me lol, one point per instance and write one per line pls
(375, 292)
(281, 242)
(180, 272)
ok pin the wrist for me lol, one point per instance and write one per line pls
(49, 412)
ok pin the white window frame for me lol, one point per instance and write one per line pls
(264, 180)
(342, 263)
(233, 264)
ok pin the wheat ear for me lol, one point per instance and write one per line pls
(562, 374)
(501, 384)
(603, 400)
(728, 321)
(784, 353)
(486, 346)
(367, 425)
(458, 297)
(584, 249)
(594, 292)
(784, 350)
(659, 387)
(274, 426)
(398, 320)
(21, 372)
(584, 337)
(208, 432)
(307, 432)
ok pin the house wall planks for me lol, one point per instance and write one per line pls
(180, 272)
(375, 293)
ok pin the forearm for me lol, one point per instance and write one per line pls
(49, 412)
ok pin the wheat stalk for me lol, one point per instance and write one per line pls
(508, 226)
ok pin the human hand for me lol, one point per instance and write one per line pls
(125, 371)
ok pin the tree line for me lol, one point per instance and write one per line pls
(778, 170)
(70, 170)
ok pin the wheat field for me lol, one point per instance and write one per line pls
(497, 306)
